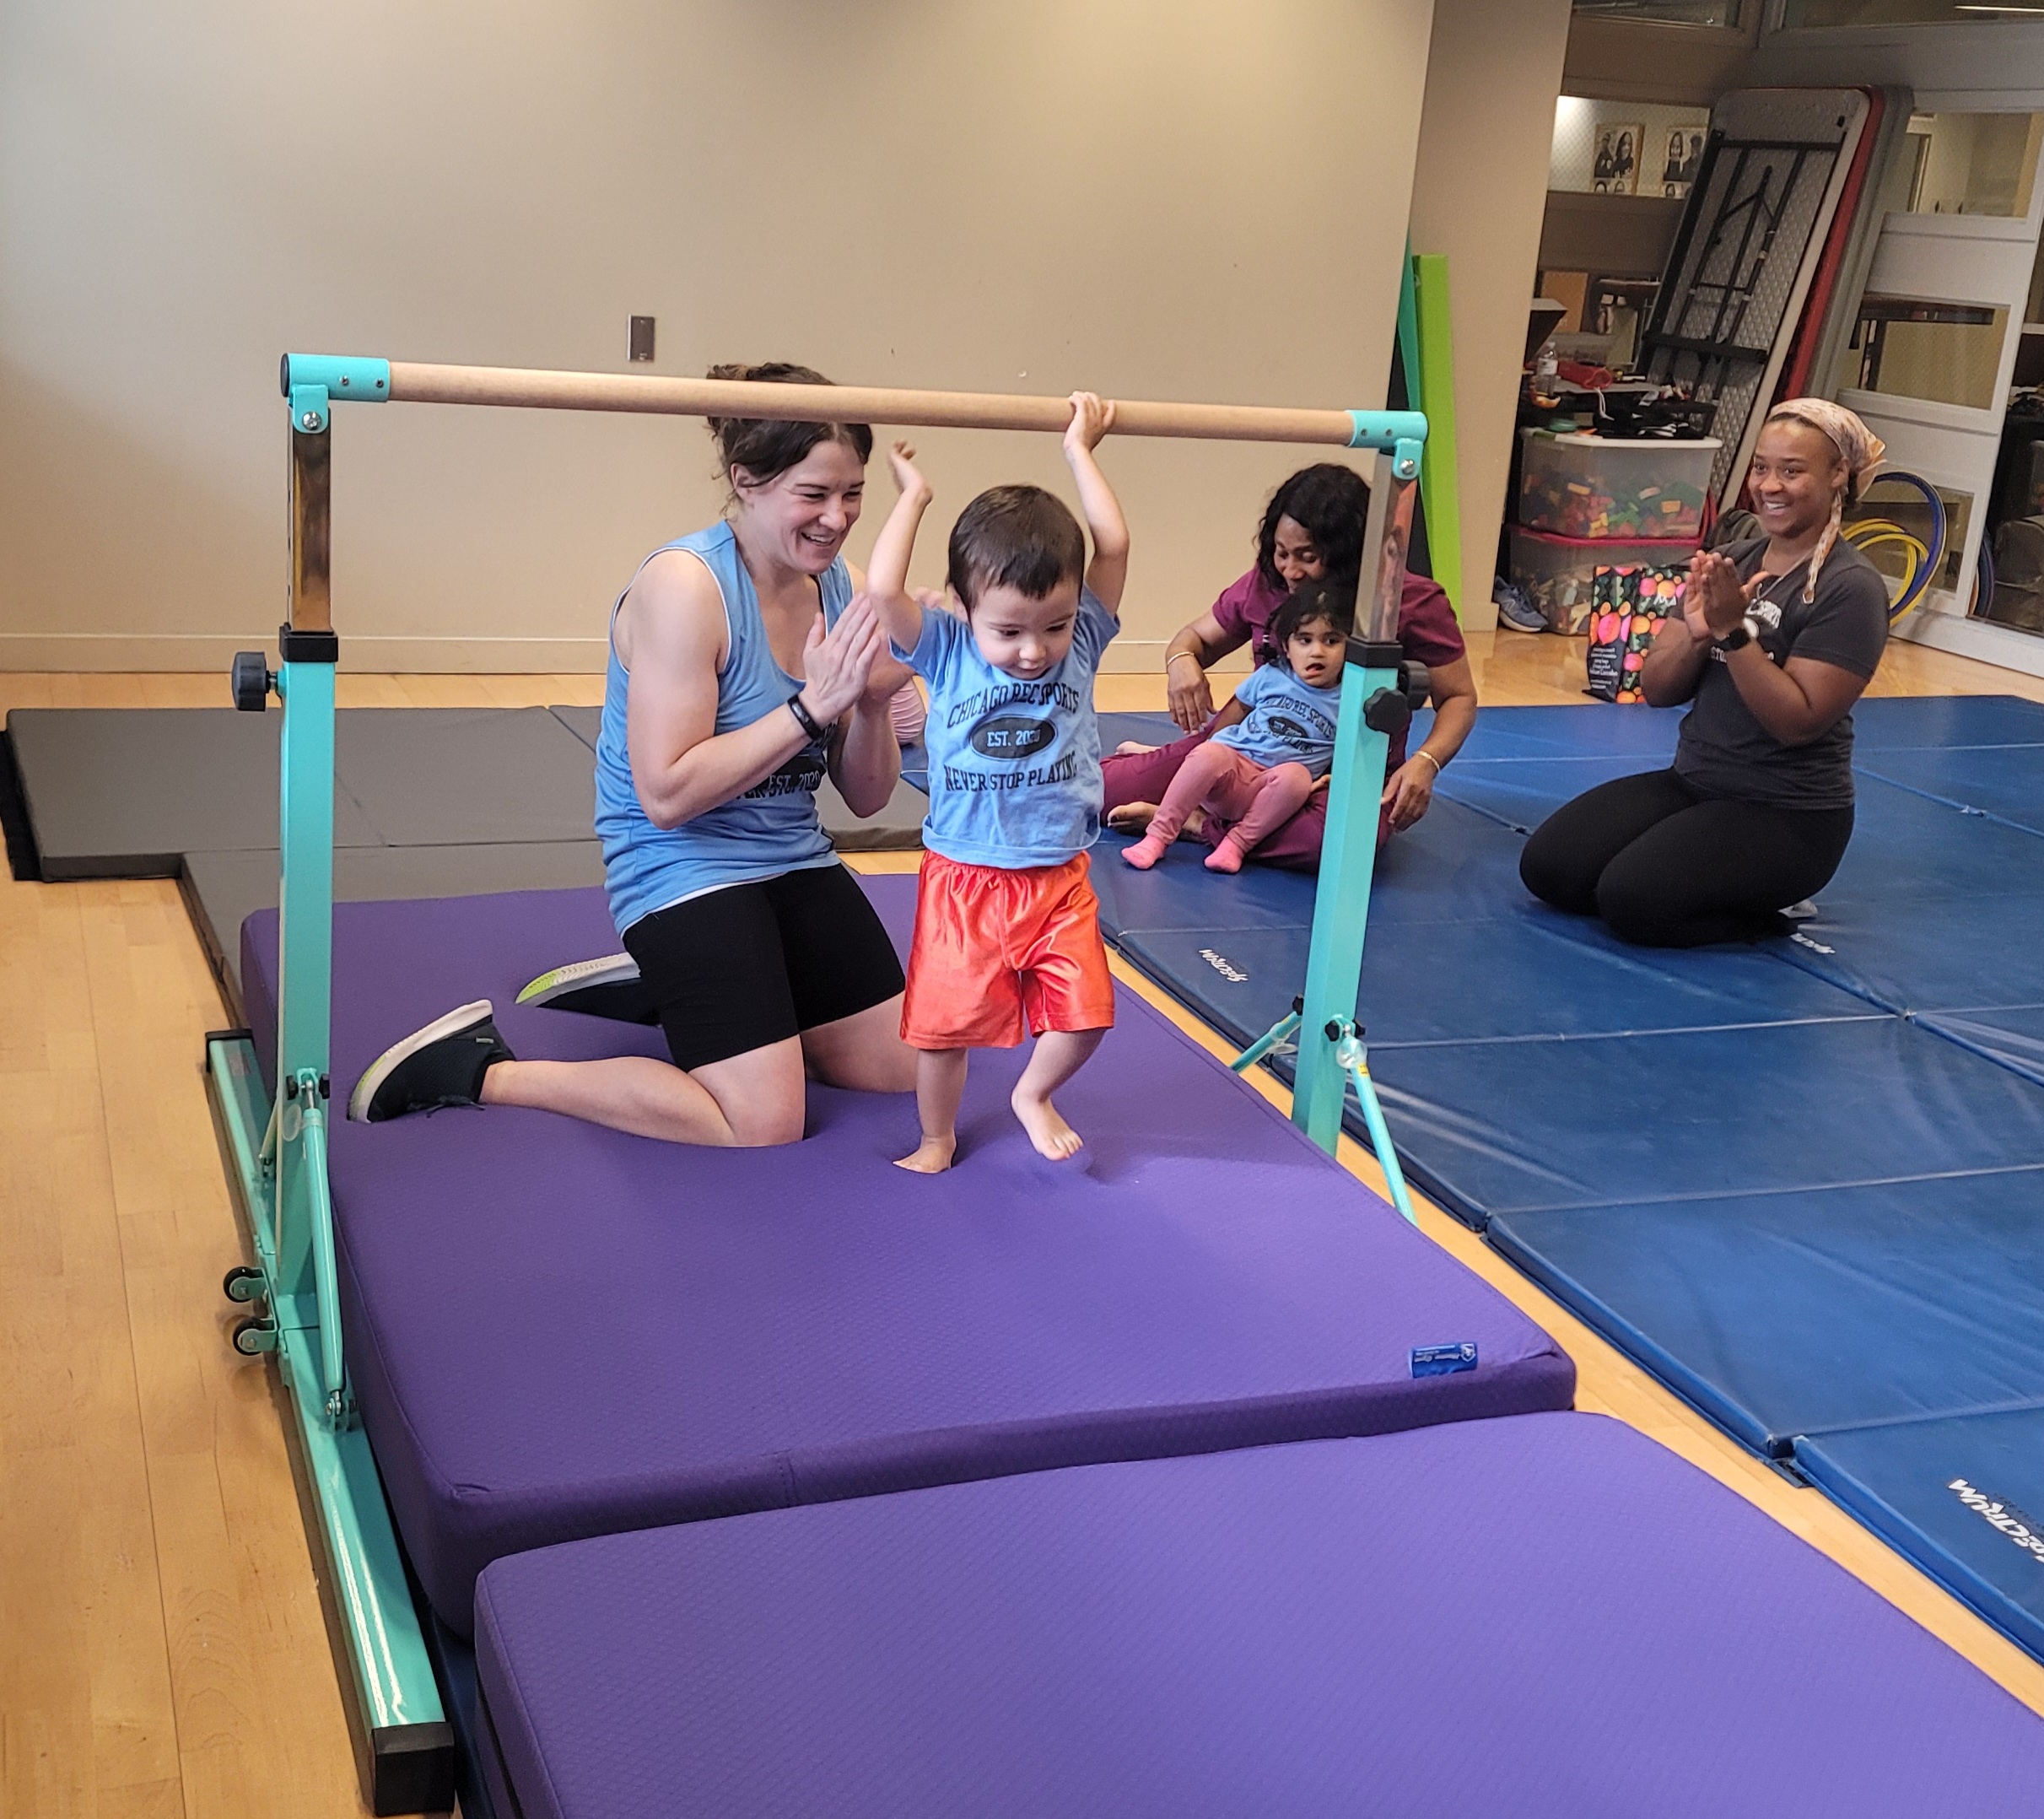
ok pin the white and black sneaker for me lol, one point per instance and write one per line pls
(610, 987)
(1802, 911)
(441, 1065)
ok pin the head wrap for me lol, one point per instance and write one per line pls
(1859, 448)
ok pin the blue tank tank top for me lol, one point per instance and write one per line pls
(770, 830)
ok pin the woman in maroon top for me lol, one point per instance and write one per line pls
(1312, 528)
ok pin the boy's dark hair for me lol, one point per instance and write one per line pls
(1333, 600)
(765, 448)
(1331, 504)
(1017, 536)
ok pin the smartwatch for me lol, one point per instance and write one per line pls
(1740, 635)
(804, 718)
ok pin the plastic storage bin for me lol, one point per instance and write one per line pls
(1556, 572)
(1597, 486)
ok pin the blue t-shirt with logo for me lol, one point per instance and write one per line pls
(1287, 723)
(1014, 765)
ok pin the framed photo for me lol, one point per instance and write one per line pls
(1683, 155)
(1615, 169)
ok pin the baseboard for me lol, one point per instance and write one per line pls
(156, 653)
(1981, 640)
(1145, 656)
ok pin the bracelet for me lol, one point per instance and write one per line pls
(804, 719)
(1429, 756)
(1193, 655)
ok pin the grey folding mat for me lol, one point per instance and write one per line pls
(427, 802)
(897, 828)
(123, 792)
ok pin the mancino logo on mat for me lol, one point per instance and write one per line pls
(2020, 1527)
(1233, 975)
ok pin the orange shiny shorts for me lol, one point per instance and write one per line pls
(994, 949)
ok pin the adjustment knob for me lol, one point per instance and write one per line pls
(1388, 711)
(252, 681)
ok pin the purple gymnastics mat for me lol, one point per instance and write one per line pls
(1549, 1618)
(555, 1331)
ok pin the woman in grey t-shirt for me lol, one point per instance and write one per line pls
(1776, 640)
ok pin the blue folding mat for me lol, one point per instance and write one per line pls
(1801, 1180)
(555, 1330)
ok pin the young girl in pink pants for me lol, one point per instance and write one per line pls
(1272, 743)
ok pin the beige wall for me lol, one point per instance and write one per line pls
(1163, 198)
(1477, 196)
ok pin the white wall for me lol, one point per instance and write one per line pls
(1478, 196)
(1161, 200)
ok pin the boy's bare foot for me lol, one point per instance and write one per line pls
(932, 1156)
(1053, 1137)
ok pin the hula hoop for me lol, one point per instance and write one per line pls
(1867, 533)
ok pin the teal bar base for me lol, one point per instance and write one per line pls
(1341, 907)
(404, 1747)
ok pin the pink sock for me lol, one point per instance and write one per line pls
(1145, 852)
(1227, 856)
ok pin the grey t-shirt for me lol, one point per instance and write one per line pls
(1723, 749)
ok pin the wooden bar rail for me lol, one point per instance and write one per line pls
(413, 382)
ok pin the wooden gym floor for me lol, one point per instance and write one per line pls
(162, 1650)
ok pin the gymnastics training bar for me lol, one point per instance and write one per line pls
(279, 1144)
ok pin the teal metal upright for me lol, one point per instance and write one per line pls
(1377, 688)
(278, 1145)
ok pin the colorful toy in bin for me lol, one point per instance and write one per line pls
(1660, 595)
(1629, 603)
(1590, 486)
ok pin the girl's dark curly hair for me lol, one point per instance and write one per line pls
(1333, 600)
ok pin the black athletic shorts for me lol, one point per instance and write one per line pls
(736, 969)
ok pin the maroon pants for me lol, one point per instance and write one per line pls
(1144, 777)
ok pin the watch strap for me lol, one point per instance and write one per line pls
(807, 722)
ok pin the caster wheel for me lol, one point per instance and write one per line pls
(253, 1337)
(242, 1283)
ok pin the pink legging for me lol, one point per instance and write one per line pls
(1233, 787)
(1144, 776)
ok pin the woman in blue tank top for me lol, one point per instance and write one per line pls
(745, 665)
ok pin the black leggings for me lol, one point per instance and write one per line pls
(1668, 867)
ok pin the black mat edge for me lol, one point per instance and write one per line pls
(24, 859)
(216, 956)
